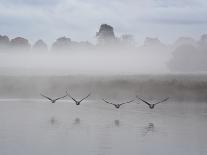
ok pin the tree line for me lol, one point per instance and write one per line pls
(105, 36)
(187, 54)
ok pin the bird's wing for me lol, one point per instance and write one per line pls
(137, 98)
(127, 102)
(46, 97)
(107, 101)
(85, 97)
(60, 97)
(162, 101)
(71, 96)
(144, 101)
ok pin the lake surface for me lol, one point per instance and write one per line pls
(36, 127)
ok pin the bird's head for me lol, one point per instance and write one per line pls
(117, 106)
(77, 103)
(152, 106)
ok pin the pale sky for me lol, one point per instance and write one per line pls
(80, 19)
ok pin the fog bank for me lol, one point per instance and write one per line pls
(83, 62)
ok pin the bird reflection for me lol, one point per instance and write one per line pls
(149, 128)
(117, 123)
(53, 121)
(77, 121)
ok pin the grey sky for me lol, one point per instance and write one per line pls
(80, 19)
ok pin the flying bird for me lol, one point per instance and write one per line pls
(76, 101)
(117, 105)
(152, 105)
(52, 100)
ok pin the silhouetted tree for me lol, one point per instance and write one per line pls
(154, 45)
(40, 45)
(20, 43)
(152, 42)
(203, 40)
(127, 39)
(105, 35)
(4, 43)
(188, 58)
(184, 41)
(62, 43)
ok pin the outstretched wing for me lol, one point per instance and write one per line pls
(162, 101)
(127, 102)
(60, 97)
(46, 97)
(71, 96)
(85, 97)
(107, 102)
(144, 101)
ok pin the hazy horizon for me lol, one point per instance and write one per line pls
(88, 77)
(79, 20)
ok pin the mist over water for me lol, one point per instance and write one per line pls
(110, 55)
(88, 63)
(62, 92)
(38, 127)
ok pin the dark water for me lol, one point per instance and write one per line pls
(36, 127)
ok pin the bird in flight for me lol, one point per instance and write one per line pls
(152, 105)
(77, 101)
(52, 100)
(117, 105)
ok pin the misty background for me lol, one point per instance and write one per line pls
(54, 45)
(161, 32)
(111, 54)
(114, 50)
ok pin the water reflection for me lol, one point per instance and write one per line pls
(53, 121)
(104, 141)
(108, 134)
(117, 123)
(77, 121)
(150, 128)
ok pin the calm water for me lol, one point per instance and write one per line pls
(36, 127)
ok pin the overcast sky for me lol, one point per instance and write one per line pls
(80, 19)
